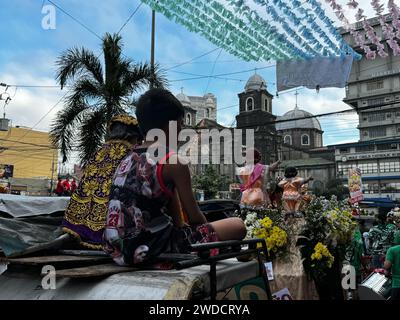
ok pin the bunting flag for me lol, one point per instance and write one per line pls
(260, 30)
(390, 31)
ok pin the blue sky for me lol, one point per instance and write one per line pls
(28, 54)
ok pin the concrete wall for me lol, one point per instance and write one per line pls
(29, 151)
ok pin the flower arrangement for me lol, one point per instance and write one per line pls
(321, 254)
(324, 238)
(266, 224)
(275, 237)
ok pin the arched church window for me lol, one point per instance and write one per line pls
(208, 113)
(249, 104)
(188, 119)
(267, 106)
(287, 139)
(305, 140)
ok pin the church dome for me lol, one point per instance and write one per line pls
(183, 98)
(309, 123)
(209, 101)
(255, 83)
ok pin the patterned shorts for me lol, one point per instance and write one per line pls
(189, 235)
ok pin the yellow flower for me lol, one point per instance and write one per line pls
(320, 252)
(266, 223)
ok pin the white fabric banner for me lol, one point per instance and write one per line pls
(311, 73)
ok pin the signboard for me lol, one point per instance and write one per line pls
(254, 289)
(6, 171)
(355, 185)
(371, 156)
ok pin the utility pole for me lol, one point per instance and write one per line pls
(153, 26)
(52, 176)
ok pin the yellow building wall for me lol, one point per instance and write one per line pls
(30, 152)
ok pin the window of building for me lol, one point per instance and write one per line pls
(392, 187)
(267, 105)
(376, 116)
(249, 104)
(376, 102)
(208, 113)
(386, 146)
(343, 168)
(370, 188)
(389, 166)
(368, 167)
(377, 132)
(344, 150)
(366, 148)
(374, 85)
(388, 115)
(397, 114)
(287, 139)
(305, 140)
(188, 119)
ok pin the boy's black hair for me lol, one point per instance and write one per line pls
(382, 214)
(156, 108)
(290, 172)
(121, 131)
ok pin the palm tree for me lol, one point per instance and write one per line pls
(97, 94)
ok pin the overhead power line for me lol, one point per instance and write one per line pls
(75, 19)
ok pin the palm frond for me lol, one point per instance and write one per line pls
(77, 61)
(62, 129)
(112, 49)
(91, 134)
(140, 75)
(86, 89)
(160, 79)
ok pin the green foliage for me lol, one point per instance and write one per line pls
(328, 222)
(99, 92)
(211, 182)
(335, 188)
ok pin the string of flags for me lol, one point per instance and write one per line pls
(260, 30)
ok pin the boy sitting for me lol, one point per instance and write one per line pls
(144, 217)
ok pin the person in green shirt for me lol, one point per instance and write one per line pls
(393, 263)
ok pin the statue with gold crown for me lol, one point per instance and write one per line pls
(86, 213)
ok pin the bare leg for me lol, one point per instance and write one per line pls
(229, 229)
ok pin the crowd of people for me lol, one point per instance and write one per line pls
(66, 188)
(383, 243)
